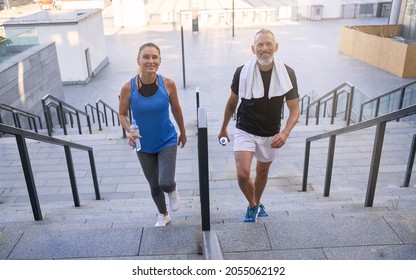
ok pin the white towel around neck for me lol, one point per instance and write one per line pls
(251, 83)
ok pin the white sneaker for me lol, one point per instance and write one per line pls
(174, 200)
(162, 220)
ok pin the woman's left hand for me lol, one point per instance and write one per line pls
(182, 140)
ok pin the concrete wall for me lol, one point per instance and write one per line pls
(79, 39)
(29, 76)
(375, 45)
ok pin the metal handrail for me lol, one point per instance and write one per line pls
(333, 95)
(114, 113)
(380, 122)
(93, 112)
(377, 99)
(63, 108)
(21, 136)
(17, 112)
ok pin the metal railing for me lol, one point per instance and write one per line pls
(21, 136)
(211, 247)
(380, 122)
(390, 101)
(17, 113)
(63, 109)
(102, 115)
(337, 101)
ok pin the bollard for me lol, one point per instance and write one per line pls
(203, 168)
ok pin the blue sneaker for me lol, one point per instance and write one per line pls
(262, 211)
(251, 214)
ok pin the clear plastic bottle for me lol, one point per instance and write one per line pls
(134, 130)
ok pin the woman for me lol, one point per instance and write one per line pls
(150, 95)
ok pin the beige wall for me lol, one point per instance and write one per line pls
(374, 45)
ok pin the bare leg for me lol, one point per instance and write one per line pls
(243, 162)
(262, 173)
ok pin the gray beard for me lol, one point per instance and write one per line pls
(263, 62)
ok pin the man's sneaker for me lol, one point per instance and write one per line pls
(262, 211)
(251, 214)
(174, 200)
(162, 220)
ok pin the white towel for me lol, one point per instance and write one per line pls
(251, 84)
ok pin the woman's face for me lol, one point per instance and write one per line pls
(149, 60)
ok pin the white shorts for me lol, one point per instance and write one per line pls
(259, 145)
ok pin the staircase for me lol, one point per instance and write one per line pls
(302, 225)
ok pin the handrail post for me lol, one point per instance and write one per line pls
(30, 181)
(47, 113)
(197, 102)
(306, 166)
(203, 168)
(78, 122)
(63, 118)
(98, 116)
(375, 164)
(94, 175)
(402, 93)
(334, 106)
(410, 163)
(349, 105)
(318, 108)
(329, 164)
(72, 177)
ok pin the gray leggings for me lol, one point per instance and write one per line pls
(159, 170)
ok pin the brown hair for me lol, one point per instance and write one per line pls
(151, 45)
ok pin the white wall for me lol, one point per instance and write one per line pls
(129, 13)
(72, 32)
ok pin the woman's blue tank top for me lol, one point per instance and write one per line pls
(152, 116)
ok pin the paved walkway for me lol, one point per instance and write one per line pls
(302, 226)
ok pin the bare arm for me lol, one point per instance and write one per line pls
(228, 113)
(123, 107)
(280, 139)
(176, 110)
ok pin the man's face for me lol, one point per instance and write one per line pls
(264, 48)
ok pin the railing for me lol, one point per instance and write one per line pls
(21, 136)
(63, 109)
(335, 100)
(102, 115)
(393, 100)
(17, 113)
(380, 122)
(211, 248)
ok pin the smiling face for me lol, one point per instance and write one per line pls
(264, 47)
(149, 59)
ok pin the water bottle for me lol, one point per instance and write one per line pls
(134, 130)
(223, 141)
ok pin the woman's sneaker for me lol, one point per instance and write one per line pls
(162, 220)
(262, 211)
(174, 200)
(251, 214)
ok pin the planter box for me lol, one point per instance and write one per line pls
(378, 46)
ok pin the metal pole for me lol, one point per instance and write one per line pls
(30, 180)
(375, 164)
(233, 18)
(410, 163)
(197, 102)
(203, 168)
(183, 59)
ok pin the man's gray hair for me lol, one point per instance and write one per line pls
(264, 31)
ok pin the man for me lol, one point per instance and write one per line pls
(262, 84)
